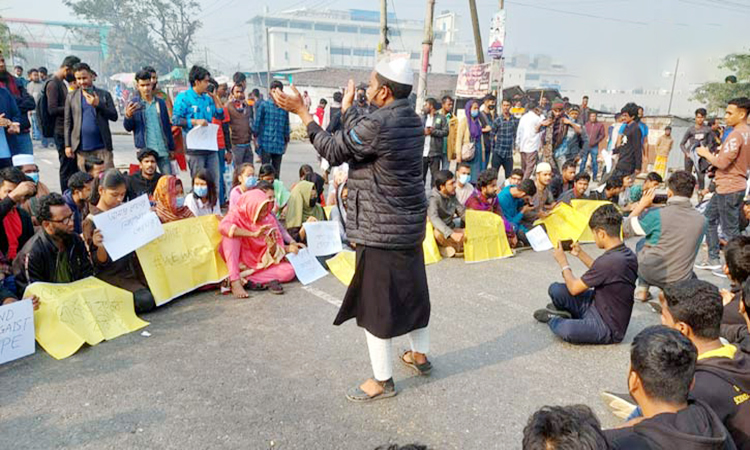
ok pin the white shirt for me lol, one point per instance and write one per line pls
(528, 139)
(196, 206)
(427, 139)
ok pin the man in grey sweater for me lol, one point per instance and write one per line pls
(698, 136)
(443, 211)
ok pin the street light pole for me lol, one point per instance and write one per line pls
(674, 82)
(426, 49)
(383, 46)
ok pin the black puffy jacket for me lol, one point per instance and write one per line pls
(387, 207)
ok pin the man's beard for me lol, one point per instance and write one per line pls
(64, 236)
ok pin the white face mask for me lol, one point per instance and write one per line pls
(464, 178)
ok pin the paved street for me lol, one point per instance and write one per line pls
(271, 371)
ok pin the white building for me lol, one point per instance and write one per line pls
(305, 38)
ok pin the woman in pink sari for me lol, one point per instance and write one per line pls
(253, 247)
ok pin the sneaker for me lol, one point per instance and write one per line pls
(546, 314)
(719, 273)
(558, 312)
(709, 264)
(621, 405)
(447, 252)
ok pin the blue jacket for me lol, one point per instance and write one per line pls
(188, 106)
(77, 219)
(9, 107)
(137, 124)
(511, 208)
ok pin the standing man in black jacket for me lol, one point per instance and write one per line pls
(630, 152)
(385, 218)
(435, 132)
(57, 92)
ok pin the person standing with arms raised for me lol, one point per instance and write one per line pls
(386, 217)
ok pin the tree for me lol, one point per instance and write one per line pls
(8, 38)
(716, 94)
(174, 25)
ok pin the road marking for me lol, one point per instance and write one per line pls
(323, 296)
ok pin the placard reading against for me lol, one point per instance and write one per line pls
(16, 330)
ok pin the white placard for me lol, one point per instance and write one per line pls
(128, 227)
(306, 267)
(538, 239)
(16, 330)
(323, 237)
(203, 138)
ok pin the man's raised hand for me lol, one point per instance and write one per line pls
(348, 99)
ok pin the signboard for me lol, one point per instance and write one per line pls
(16, 330)
(497, 35)
(473, 80)
(128, 227)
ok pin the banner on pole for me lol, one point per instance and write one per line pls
(473, 80)
(497, 35)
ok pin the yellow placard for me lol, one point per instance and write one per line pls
(564, 223)
(485, 237)
(184, 258)
(86, 311)
(430, 247)
(342, 266)
(587, 208)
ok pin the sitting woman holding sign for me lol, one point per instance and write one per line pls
(126, 272)
(252, 246)
(303, 207)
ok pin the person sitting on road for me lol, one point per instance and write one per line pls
(610, 191)
(280, 192)
(515, 201)
(564, 181)
(252, 246)
(573, 427)
(18, 228)
(170, 199)
(77, 196)
(543, 201)
(737, 270)
(56, 253)
(243, 180)
(338, 213)
(662, 366)
(30, 169)
(596, 308)
(516, 175)
(653, 181)
(578, 192)
(484, 198)
(447, 215)
(722, 374)
(144, 181)
(267, 187)
(464, 188)
(203, 201)
(126, 272)
(7, 297)
(303, 207)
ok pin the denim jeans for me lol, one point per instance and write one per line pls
(594, 152)
(586, 326)
(724, 209)
(242, 153)
(24, 146)
(208, 161)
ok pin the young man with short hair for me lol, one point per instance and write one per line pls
(18, 228)
(443, 211)
(77, 196)
(732, 163)
(737, 270)
(699, 135)
(57, 93)
(29, 168)
(594, 134)
(630, 145)
(722, 374)
(529, 137)
(578, 191)
(463, 187)
(563, 181)
(147, 117)
(145, 180)
(271, 127)
(88, 111)
(515, 202)
(449, 145)
(573, 427)
(662, 365)
(504, 129)
(436, 129)
(240, 119)
(56, 253)
(335, 123)
(663, 148)
(610, 191)
(543, 201)
(484, 198)
(516, 175)
(596, 308)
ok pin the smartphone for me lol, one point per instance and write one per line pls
(660, 199)
(567, 244)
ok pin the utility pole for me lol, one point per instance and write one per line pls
(426, 49)
(268, 62)
(674, 82)
(383, 46)
(477, 33)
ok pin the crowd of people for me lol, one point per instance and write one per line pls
(688, 380)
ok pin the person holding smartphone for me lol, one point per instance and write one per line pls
(595, 308)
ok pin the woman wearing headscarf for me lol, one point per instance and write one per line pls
(469, 139)
(303, 207)
(253, 247)
(170, 200)
(338, 213)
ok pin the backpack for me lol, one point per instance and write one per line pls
(46, 121)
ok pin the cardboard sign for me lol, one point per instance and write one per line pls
(16, 330)
(306, 267)
(128, 227)
(485, 237)
(323, 237)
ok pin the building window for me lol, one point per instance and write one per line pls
(325, 27)
(364, 52)
(455, 57)
(341, 51)
(368, 30)
(301, 25)
(346, 29)
(270, 22)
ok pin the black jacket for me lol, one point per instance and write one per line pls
(387, 206)
(631, 151)
(27, 230)
(37, 261)
(439, 133)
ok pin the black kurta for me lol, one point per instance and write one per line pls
(388, 294)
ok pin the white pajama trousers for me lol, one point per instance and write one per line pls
(381, 351)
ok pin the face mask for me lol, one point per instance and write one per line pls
(475, 113)
(250, 182)
(361, 99)
(490, 107)
(200, 191)
(180, 200)
(313, 201)
(34, 177)
(464, 178)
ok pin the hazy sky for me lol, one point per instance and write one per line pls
(606, 43)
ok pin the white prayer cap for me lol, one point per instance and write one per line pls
(23, 160)
(396, 69)
(543, 167)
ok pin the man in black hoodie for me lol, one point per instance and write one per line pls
(662, 364)
(722, 373)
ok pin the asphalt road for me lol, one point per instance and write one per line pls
(270, 372)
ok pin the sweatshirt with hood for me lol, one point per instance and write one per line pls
(722, 380)
(696, 427)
